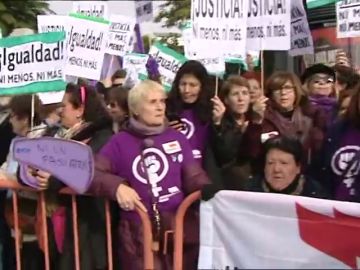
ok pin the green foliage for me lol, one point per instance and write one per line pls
(21, 14)
(174, 12)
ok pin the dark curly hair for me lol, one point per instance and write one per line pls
(202, 106)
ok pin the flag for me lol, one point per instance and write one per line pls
(244, 230)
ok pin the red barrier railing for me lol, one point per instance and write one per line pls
(13, 185)
(178, 233)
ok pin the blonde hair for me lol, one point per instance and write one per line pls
(139, 91)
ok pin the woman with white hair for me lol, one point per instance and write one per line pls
(150, 166)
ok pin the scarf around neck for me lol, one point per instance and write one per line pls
(141, 129)
(323, 102)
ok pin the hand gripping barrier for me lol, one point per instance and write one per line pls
(13, 185)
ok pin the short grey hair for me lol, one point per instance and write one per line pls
(139, 91)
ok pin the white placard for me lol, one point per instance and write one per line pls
(91, 8)
(268, 25)
(219, 28)
(348, 18)
(31, 63)
(51, 97)
(301, 39)
(121, 32)
(86, 43)
(144, 11)
(135, 64)
(51, 23)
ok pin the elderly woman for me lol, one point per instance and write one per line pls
(189, 106)
(154, 170)
(84, 119)
(288, 113)
(282, 171)
(319, 82)
(234, 122)
(340, 166)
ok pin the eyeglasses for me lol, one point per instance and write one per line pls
(286, 89)
(322, 79)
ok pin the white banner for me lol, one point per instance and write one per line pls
(91, 8)
(301, 39)
(120, 39)
(268, 25)
(51, 23)
(169, 62)
(143, 10)
(347, 15)
(219, 28)
(85, 47)
(248, 230)
(31, 63)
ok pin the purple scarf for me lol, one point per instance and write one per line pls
(328, 104)
(144, 130)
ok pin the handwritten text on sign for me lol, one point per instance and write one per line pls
(69, 161)
(348, 19)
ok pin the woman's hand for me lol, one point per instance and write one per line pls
(42, 177)
(218, 110)
(342, 59)
(259, 108)
(177, 125)
(128, 198)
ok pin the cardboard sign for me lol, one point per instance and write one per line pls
(169, 62)
(120, 39)
(144, 10)
(348, 19)
(86, 43)
(268, 26)
(221, 26)
(32, 63)
(301, 39)
(97, 9)
(69, 161)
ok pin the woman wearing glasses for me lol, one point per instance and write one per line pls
(319, 81)
(289, 113)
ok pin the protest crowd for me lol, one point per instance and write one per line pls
(153, 143)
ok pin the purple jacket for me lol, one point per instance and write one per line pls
(172, 170)
(195, 131)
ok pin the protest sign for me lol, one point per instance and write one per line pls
(219, 28)
(32, 63)
(296, 232)
(169, 62)
(268, 25)
(301, 39)
(144, 10)
(120, 39)
(51, 23)
(86, 43)
(97, 9)
(51, 97)
(348, 18)
(214, 65)
(69, 161)
(135, 63)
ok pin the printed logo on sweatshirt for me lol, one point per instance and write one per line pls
(188, 129)
(157, 167)
(342, 159)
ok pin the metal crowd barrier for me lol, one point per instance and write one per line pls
(146, 223)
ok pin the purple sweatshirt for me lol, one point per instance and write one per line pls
(195, 131)
(172, 170)
(347, 184)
